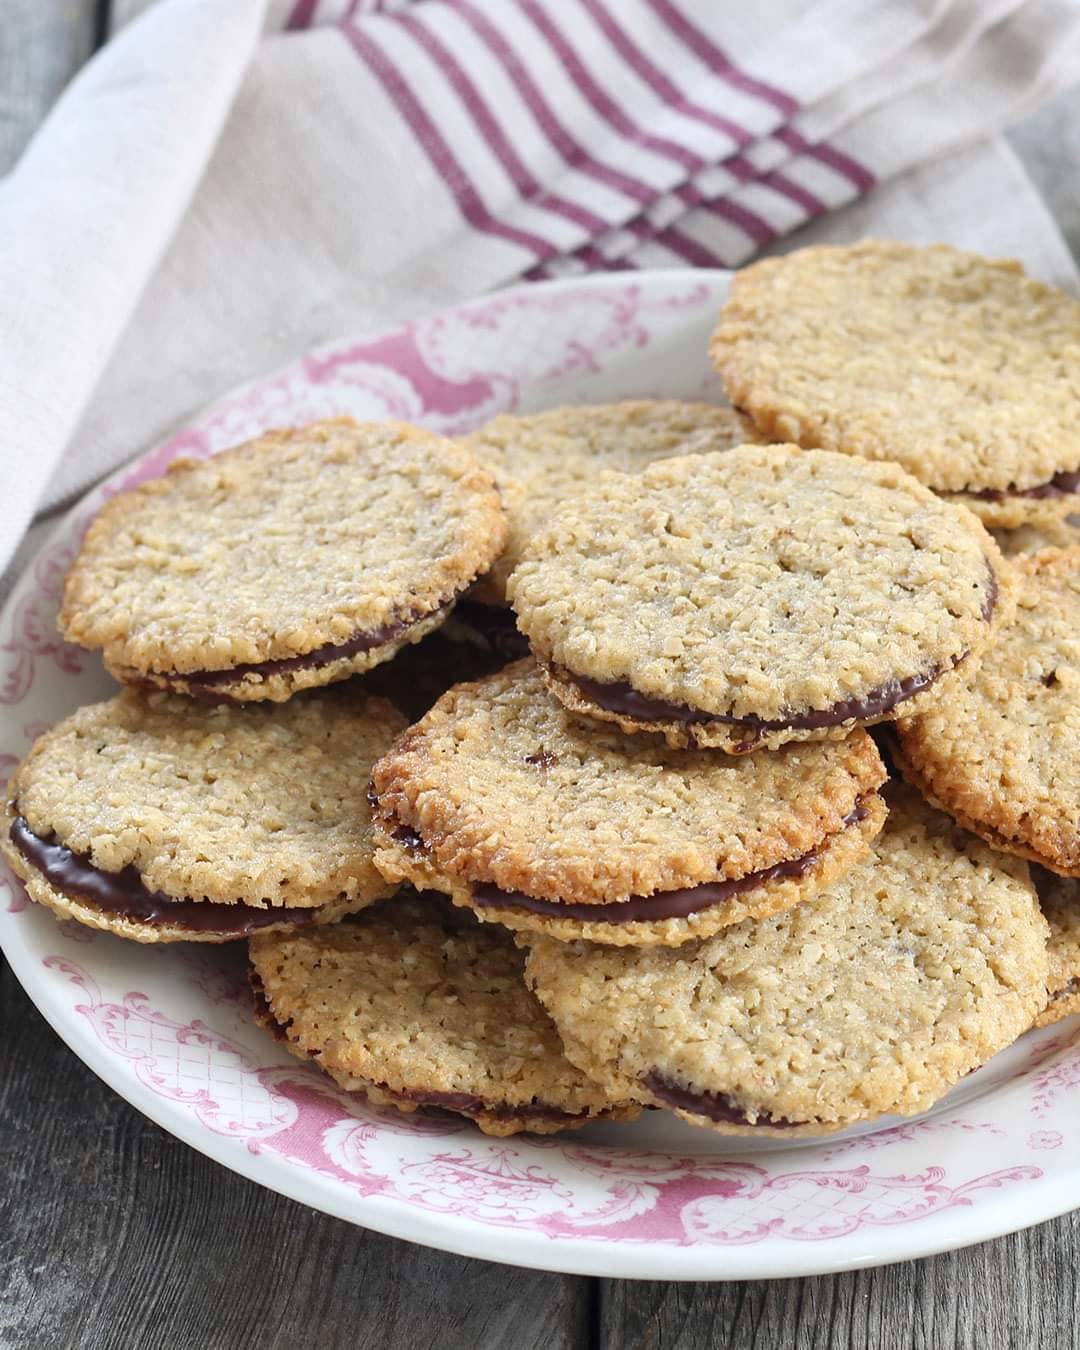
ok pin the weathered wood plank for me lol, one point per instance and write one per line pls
(42, 44)
(114, 1234)
(1019, 1293)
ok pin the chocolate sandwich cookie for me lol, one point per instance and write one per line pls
(1060, 900)
(915, 968)
(1003, 755)
(415, 1004)
(542, 459)
(300, 558)
(475, 640)
(511, 806)
(762, 595)
(162, 820)
(958, 367)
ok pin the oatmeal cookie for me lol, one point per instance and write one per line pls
(1003, 755)
(299, 558)
(541, 460)
(757, 596)
(1034, 538)
(872, 999)
(960, 368)
(1060, 900)
(163, 820)
(503, 800)
(415, 1004)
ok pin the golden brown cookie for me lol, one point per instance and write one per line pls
(960, 368)
(541, 460)
(535, 819)
(163, 820)
(1034, 538)
(1003, 755)
(415, 1004)
(762, 595)
(874, 998)
(1060, 900)
(300, 558)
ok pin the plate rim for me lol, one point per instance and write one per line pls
(460, 1234)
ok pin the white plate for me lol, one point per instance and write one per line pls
(168, 1027)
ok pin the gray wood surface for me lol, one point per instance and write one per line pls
(1018, 1292)
(42, 44)
(113, 1234)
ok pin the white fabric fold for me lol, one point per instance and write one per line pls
(87, 213)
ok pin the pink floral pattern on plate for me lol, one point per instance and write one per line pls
(169, 1027)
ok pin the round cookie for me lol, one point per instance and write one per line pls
(1003, 755)
(1034, 538)
(162, 820)
(415, 1004)
(1060, 900)
(541, 460)
(297, 559)
(955, 366)
(875, 998)
(757, 596)
(513, 807)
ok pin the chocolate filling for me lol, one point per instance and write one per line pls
(1066, 990)
(618, 696)
(665, 904)
(264, 1014)
(123, 893)
(465, 1103)
(1061, 485)
(210, 681)
(497, 626)
(716, 1106)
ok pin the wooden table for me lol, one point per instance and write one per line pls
(113, 1234)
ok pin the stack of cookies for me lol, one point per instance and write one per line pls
(631, 841)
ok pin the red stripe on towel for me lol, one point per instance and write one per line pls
(438, 152)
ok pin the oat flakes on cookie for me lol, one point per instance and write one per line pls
(540, 821)
(542, 459)
(1060, 900)
(163, 820)
(1034, 538)
(299, 558)
(415, 1004)
(960, 368)
(875, 998)
(757, 596)
(1003, 754)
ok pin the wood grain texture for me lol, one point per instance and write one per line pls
(1018, 1293)
(42, 44)
(114, 1234)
